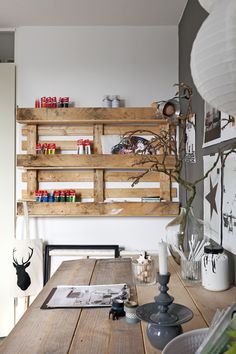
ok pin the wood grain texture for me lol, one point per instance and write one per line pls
(32, 183)
(206, 301)
(98, 174)
(62, 176)
(165, 186)
(90, 331)
(87, 115)
(75, 161)
(62, 130)
(32, 139)
(109, 193)
(87, 130)
(181, 296)
(49, 331)
(88, 176)
(113, 337)
(100, 209)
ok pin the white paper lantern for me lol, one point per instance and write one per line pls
(208, 4)
(213, 58)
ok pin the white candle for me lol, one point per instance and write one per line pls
(162, 258)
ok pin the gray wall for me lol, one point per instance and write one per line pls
(7, 46)
(190, 23)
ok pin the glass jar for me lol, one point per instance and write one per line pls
(215, 268)
(144, 273)
(175, 234)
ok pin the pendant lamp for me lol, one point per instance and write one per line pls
(213, 58)
(208, 4)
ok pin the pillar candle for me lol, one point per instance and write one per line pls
(162, 258)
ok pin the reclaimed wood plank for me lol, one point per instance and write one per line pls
(108, 193)
(59, 176)
(165, 186)
(87, 115)
(87, 130)
(49, 331)
(100, 209)
(117, 176)
(62, 130)
(75, 161)
(98, 174)
(32, 183)
(87, 176)
(116, 337)
(32, 139)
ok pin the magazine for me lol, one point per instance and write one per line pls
(86, 295)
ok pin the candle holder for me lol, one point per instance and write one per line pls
(164, 317)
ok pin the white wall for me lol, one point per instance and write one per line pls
(7, 192)
(138, 63)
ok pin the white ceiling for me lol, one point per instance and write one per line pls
(14, 13)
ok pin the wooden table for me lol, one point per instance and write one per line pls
(89, 331)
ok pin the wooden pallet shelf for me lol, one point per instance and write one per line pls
(100, 209)
(88, 115)
(96, 161)
(98, 169)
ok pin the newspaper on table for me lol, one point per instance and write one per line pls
(86, 295)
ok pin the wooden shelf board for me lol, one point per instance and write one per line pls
(96, 161)
(100, 209)
(88, 115)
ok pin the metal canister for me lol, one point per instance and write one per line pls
(215, 268)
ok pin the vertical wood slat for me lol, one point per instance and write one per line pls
(32, 182)
(32, 138)
(165, 187)
(98, 174)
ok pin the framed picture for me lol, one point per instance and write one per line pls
(218, 126)
(190, 149)
(212, 199)
(229, 204)
(212, 125)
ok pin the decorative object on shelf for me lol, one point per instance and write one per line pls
(83, 147)
(106, 102)
(144, 272)
(213, 57)
(51, 102)
(215, 268)
(164, 317)
(133, 145)
(130, 312)
(46, 149)
(115, 101)
(56, 196)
